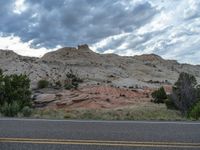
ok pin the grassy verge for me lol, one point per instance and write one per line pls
(146, 111)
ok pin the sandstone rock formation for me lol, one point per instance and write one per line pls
(92, 97)
(147, 70)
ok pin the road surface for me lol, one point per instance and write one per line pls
(23, 134)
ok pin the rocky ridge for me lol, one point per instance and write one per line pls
(147, 70)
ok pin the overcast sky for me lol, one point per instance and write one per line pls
(169, 28)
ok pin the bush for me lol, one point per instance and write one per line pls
(15, 94)
(75, 85)
(1, 71)
(58, 84)
(10, 110)
(15, 88)
(26, 111)
(73, 77)
(170, 104)
(43, 84)
(159, 96)
(195, 112)
(198, 92)
(184, 93)
(68, 86)
(72, 81)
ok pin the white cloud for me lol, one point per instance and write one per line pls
(192, 9)
(19, 6)
(169, 34)
(15, 44)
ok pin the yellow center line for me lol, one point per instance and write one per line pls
(100, 143)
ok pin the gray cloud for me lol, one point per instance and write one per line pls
(169, 28)
(72, 22)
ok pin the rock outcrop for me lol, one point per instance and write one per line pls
(139, 71)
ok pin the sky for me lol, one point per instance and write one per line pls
(169, 28)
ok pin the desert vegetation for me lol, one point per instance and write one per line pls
(72, 81)
(144, 111)
(159, 96)
(195, 111)
(15, 95)
(185, 96)
(42, 84)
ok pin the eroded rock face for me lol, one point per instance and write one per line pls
(139, 71)
(92, 97)
(149, 57)
(83, 47)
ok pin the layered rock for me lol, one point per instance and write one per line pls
(139, 71)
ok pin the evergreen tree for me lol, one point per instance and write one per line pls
(184, 93)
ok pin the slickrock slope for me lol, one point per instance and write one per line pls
(92, 97)
(138, 71)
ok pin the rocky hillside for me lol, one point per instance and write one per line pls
(138, 71)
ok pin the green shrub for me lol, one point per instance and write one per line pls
(68, 86)
(15, 94)
(198, 92)
(170, 104)
(15, 88)
(159, 96)
(26, 111)
(195, 111)
(75, 85)
(1, 71)
(72, 81)
(70, 75)
(10, 110)
(43, 84)
(58, 84)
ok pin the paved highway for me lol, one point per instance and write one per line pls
(23, 134)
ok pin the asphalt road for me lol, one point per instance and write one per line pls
(28, 134)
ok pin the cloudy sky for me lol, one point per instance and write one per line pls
(170, 28)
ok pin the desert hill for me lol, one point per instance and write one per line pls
(147, 70)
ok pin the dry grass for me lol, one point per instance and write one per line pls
(145, 111)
